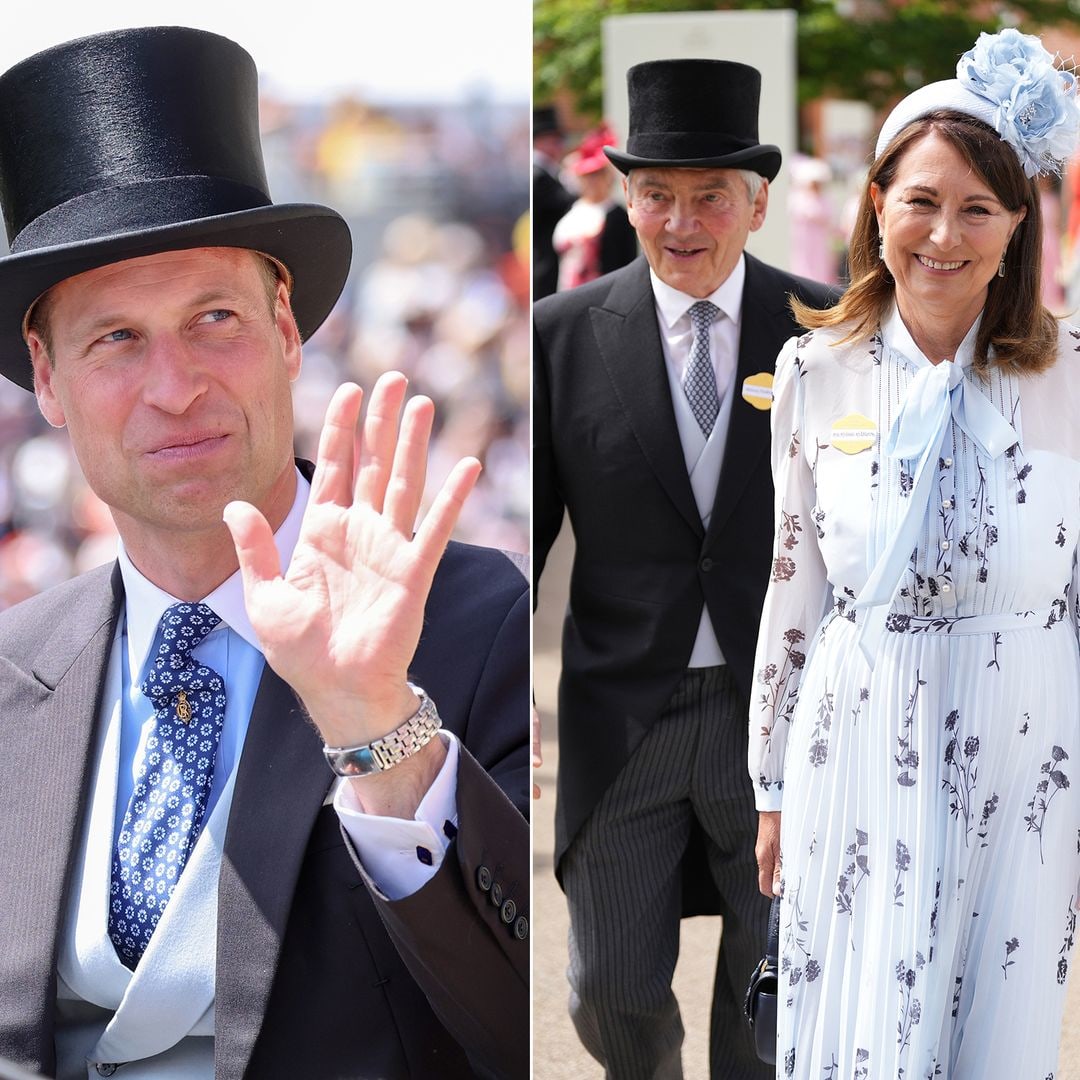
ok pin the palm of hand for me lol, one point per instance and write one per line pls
(342, 625)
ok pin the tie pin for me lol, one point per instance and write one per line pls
(183, 708)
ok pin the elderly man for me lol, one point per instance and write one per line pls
(187, 890)
(652, 433)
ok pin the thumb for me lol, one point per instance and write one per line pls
(254, 542)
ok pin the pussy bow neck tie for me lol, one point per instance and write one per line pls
(937, 396)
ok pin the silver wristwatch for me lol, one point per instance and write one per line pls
(382, 754)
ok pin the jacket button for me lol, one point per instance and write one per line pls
(706, 564)
(508, 911)
(483, 878)
(105, 1068)
(521, 928)
(496, 894)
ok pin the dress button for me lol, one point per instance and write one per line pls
(521, 928)
(706, 564)
(483, 878)
(496, 894)
(946, 587)
(508, 912)
(945, 545)
(947, 463)
(946, 504)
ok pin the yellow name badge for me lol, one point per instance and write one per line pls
(757, 390)
(853, 434)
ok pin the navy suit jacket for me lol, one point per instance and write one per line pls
(317, 975)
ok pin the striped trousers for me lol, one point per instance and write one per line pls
(622, 878)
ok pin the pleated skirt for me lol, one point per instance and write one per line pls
(931, 854)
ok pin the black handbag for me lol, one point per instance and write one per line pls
(760, 1004)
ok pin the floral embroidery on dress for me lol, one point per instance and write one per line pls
(903, 864)
(1054, 781)
(983, 534)
(910, 1006)
(907, 758)
(862, 1064)
(1067, 944)
(819, 743)
(779, 698)
(795, 947)
(1020, 472)
(854, 873)
(988, 810)
(1010, 947)
(960, 758)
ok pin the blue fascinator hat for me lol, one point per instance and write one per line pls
(1007, 80)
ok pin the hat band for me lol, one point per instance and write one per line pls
(679, 145)
(138, 207)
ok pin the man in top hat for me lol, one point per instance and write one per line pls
(188, 889)
(550, 198)
(649, 432)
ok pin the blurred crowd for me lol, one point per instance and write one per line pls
(437, 198)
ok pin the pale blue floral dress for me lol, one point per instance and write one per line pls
(924, 752)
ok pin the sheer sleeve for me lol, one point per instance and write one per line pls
(798, 588)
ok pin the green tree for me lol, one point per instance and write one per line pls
(866, 50)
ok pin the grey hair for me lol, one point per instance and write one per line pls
(753, 181)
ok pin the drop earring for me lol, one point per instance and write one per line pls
(1001, 265)
(881, 247)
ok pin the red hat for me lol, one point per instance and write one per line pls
(590, 154)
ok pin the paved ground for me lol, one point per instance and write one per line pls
(557, 1054)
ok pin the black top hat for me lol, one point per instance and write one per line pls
(134, 142)
(695, 114)
(545, 119)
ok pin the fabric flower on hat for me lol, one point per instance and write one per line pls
(1036, 108)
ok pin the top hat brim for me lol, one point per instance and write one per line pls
(312, 241)
(763, 159)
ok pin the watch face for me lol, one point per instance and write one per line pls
(360, 761)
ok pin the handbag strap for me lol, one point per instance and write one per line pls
(772, 940)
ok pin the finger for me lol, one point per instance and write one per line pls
(765, 879)
(434, 531)
(537, 753)
(333, 479)
(254, 542)
(406, 487)
(378, 437)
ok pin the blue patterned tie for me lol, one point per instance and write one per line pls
(699, 380)
(167, 807)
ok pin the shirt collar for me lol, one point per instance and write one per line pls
(673, 305)
(896, 335)
(145, 603)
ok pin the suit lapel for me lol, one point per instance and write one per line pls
(281, 782)
(630, 350)
(46, 749)
(766, 324)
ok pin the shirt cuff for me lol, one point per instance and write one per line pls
(399, 855)
(768, 799)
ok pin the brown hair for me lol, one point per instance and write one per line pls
(1021, 332)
